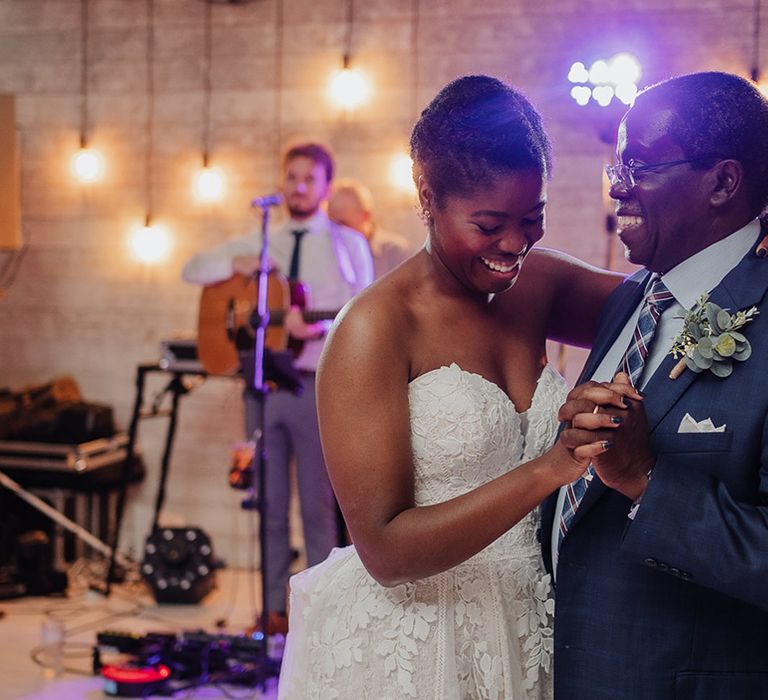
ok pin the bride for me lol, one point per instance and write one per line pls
(438, 417)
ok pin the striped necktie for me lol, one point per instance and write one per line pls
(633, 362)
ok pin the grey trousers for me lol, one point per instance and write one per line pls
(291, 429)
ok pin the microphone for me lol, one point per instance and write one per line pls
(269, 200)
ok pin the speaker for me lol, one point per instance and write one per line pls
(178, 565)
(10, 176)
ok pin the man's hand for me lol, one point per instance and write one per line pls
(623, 467)
(297, 328)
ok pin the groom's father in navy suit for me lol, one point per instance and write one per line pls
(660, 555)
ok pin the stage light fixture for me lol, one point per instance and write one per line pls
(178, 565)
(578, 73)
(605, 80)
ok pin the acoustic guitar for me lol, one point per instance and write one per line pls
(226, 319)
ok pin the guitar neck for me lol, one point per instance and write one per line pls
(277, 317)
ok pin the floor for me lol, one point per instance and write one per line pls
(34, 667)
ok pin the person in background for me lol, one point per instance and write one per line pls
(335, 262)
(351, 204)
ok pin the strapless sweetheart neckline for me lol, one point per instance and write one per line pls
(493, 385)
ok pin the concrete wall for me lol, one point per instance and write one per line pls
(80, 304)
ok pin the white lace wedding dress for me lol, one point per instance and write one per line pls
(482, 629)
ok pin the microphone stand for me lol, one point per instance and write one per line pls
(256, 500)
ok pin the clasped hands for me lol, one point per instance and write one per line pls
(613, 413)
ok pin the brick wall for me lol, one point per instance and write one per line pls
(81, 305)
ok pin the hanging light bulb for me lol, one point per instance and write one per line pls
(401, 172)
(209, 183)
(87, 164)
(150, 244)
(348, 87)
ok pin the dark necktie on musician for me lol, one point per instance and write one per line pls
(298, 234)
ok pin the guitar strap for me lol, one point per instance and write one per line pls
(343, 259)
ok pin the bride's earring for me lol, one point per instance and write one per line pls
(425, 215)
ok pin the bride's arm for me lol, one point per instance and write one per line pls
(577, 292)
(362, 391)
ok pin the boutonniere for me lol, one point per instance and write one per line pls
(711, 340)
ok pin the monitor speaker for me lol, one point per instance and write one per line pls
(178, 565)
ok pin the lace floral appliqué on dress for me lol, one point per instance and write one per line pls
(482, 629)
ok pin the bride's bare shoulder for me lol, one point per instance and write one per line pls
(383, 313)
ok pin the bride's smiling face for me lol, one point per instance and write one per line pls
(481, 240)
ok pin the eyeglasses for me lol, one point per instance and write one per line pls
(625, 175)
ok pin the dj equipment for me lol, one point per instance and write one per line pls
(136, 665)
(178, 565)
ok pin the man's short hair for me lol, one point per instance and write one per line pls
(314, 151)
(718, 114)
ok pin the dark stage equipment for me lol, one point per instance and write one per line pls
(178, 565)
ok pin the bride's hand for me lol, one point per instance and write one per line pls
(569, 459)
(586, 399)
(587, 433)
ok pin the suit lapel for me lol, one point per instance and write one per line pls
(742, 287)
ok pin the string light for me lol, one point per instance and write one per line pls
(87, 164)
(209, 182)
(401, 173)
(401, 164)
(150, 244)
(760, 83)
(348, 87)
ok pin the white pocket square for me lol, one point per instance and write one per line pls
(690, 425)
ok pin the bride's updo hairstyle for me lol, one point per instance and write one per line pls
(476, 129)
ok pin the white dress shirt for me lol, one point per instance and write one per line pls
(335, 263)
(697, 275)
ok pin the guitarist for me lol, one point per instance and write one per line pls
(335, 262)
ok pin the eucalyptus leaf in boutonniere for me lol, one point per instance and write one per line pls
(711, 340)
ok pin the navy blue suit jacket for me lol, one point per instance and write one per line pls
(675, 603)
